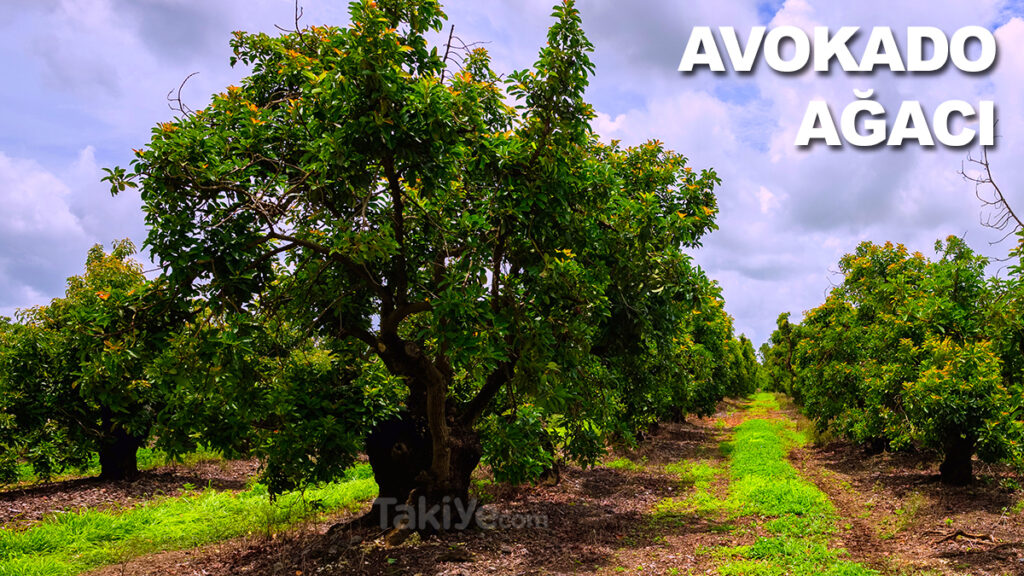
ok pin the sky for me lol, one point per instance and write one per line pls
(86, 80)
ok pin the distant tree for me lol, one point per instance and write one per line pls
(73, 373)
(777, 357)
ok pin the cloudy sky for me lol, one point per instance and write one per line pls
(84, 80)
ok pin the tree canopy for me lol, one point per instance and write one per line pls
(467, 230)
(909, 351)
(75, 372)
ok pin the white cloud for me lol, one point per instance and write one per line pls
(767, 200)
(37, 228)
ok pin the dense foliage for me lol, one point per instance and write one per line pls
(908, 351)
(74, 372)
(463, 233)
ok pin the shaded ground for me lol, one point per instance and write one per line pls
(594, 520)
(21, 507)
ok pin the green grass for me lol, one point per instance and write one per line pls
(624, 464)
(788, 556)
(700, 476)
(762, 403)
(765, 486)
(71, 543)
(693, 473)
(764, 482)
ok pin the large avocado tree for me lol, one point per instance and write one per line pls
(469, 230)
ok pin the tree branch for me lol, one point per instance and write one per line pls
(495, 381)
(399, 273)
(390, 322)
(360, 271)
(1003, 217)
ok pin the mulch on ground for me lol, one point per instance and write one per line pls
(593, 520)
(901, 516)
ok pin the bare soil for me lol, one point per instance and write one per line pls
(901, 515)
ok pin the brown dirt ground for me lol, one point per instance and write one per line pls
(597, 521)
(901, 515)
(896, 518)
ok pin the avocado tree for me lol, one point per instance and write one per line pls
(73, 373)
(468, 230)
(777, 357)
(905, 352)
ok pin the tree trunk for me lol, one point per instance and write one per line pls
(411, 497)
(874, 446)
(118, 456)
(956, 469)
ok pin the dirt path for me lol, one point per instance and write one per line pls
(901, 517)
(683, 503)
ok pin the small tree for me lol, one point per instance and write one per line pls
(74, 372)
(468, 230)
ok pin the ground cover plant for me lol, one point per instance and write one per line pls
(72, 542)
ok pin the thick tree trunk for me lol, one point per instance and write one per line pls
(423, 460)
(957, 469)
(411, 496)
(118, 456)
(874, 446)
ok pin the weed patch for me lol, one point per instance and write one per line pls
(624, 464)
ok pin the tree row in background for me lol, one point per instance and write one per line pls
(372, 244)
(911, 352)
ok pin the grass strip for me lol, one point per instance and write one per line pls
(70, 543)
(799, 516)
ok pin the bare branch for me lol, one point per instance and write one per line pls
(455, 51)
(1000, 215)
(174, 101)
(298, 16)
(447, 50)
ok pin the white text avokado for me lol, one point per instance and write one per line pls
(789, 49)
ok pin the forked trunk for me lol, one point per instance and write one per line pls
(423, 460)
(411, 498)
